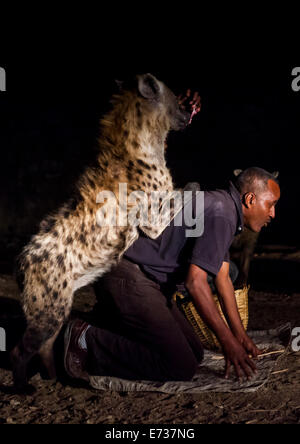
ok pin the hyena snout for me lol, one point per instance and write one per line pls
(181, 120)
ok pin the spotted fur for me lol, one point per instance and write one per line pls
(70, 249)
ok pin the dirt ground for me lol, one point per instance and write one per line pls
(274, 299)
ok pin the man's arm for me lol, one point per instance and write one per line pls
(225, 291)
(199, 289)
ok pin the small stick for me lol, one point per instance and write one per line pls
(270, 353)
(217, 358)
(280, 371)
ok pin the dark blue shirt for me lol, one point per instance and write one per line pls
(167, 258)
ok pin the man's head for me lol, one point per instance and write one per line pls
(260, 193)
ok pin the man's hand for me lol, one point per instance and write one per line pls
(236, 355)
(190, 103)
(249, 346)
(226, 292)
(234, 352)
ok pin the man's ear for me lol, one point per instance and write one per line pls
(249, 199)
(149, 86)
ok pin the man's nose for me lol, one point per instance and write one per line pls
(272, 213)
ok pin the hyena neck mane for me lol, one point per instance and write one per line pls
(134, 128)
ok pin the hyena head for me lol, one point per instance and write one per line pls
(160, 96)
(156, 100)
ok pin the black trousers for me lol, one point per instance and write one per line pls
(141, 334)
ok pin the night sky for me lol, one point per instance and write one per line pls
(50, 112)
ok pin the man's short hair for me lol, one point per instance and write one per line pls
(254, 179)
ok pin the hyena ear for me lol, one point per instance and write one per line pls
(120, 84)
(148, 86)
(275, 174)
(237, 172)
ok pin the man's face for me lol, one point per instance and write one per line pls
(259, 209)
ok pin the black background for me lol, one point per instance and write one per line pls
(57, 93)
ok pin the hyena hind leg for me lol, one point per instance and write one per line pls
(22, 354)
(47, 355)
(37, 339)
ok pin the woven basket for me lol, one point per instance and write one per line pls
(207, 337)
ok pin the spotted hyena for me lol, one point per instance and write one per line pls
(71, 250)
